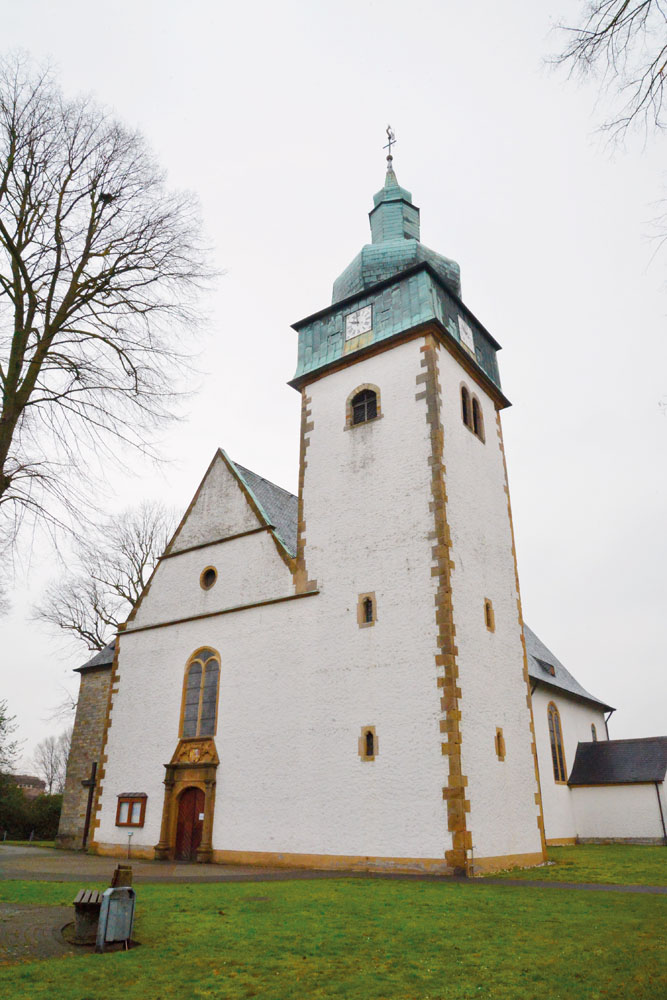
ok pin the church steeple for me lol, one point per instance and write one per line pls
(394, 216)
(395, 242)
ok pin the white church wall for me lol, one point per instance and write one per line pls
(368, 527)
(576, 719)
(143, 733)
(503, 816)
(249, 569)
(219, 510)
(618, 812)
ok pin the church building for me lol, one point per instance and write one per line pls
(343, 679)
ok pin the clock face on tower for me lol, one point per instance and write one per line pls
(359, 322)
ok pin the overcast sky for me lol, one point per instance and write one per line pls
(274, 115)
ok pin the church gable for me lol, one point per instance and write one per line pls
(220, 508)
(225, 553)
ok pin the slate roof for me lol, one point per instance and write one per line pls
(540, 662)
(279, 506)
(103, 658)
(615, 762)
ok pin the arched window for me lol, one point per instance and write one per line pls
(489, 617)
(477, 419)
(370, 743)
(364, 406)
(200, 694)
(594, 732)
(465, 407)
(556, 738)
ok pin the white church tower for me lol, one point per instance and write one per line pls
(341, 681)
(404, 512)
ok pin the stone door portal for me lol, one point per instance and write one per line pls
(190, 824)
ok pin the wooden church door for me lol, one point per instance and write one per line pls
(190, 824)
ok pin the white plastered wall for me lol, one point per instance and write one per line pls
(249, 569)
(300, 680)
(220, 509)
(369, 528)
(576, 718)
(619, 812)
(503, 816)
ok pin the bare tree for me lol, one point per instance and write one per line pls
(9, 747)
(113, 567)
(46, 761)
(627, 41)
(99, 268)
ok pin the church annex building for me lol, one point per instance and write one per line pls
(343, 679)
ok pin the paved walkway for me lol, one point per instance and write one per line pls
(32, 932)
(45, 864)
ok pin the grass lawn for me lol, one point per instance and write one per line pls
(27, 843)
(371, 940)
(622, 864)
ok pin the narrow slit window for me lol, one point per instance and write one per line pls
(500, 744)
(364, 406)
(368, 610)
(368, 743)
(489, 616)
(594, 732)
(556, 739)
(465, 407)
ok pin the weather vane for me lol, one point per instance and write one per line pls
(392, 139)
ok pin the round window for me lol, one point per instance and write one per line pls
(208, 577)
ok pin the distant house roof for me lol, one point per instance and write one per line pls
(279, 505)
(103, 658)
(29, 780)
(620, 762)
(544, 667)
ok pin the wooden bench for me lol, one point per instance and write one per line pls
(87, 915)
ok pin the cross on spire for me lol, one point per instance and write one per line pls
(392, 139)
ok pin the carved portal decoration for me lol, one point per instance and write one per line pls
(193, 765)
(201, 751)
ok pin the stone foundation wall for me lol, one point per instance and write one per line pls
(86, 748)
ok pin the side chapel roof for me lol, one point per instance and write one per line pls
(547, 669)
(103, 658)
(620, 762)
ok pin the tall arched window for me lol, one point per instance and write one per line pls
(200, 694)
(594, 732)
(477, 419)
(556, 737)
(364, 406)
(465, 407)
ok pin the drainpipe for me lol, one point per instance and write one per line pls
(662, 815)
(606, 720)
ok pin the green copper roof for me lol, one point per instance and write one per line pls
(395, 244)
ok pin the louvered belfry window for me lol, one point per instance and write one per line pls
(201, 694)
(364, 406)
(556, 738)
